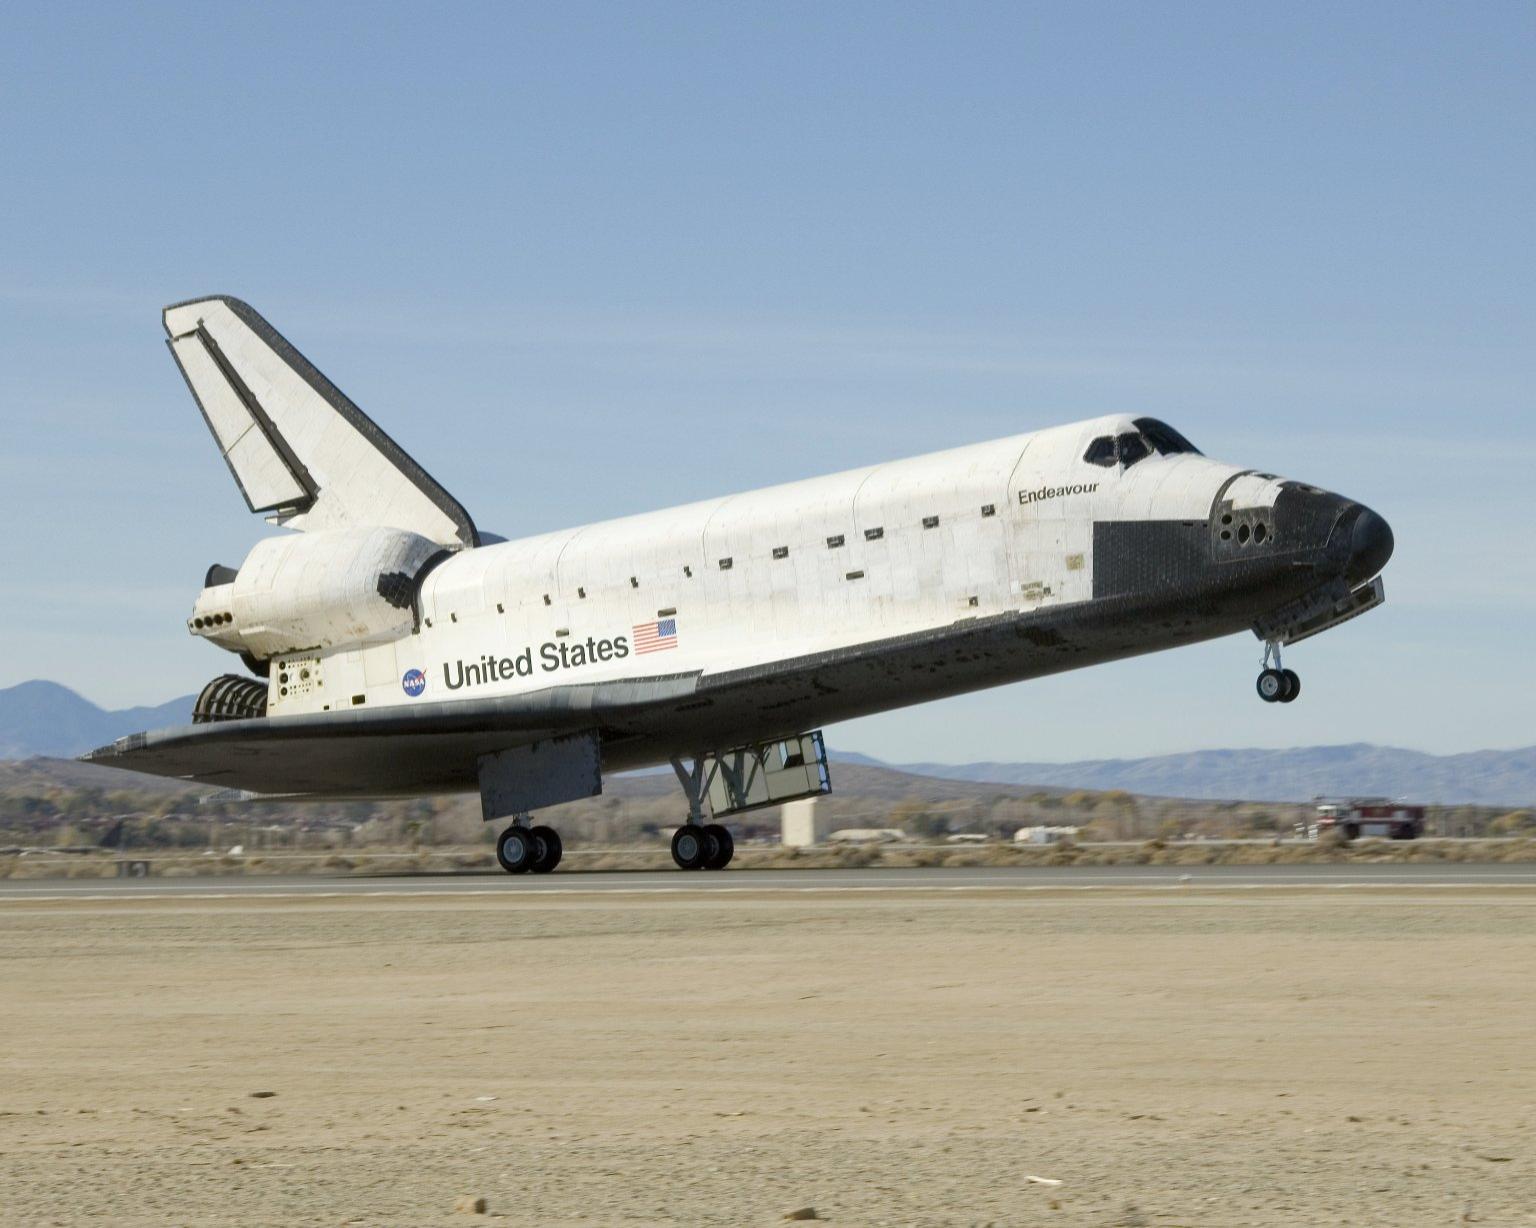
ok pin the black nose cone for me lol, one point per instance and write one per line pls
(1370, 546)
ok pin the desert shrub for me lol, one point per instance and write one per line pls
(1515, 823)
(1332, 841)
(1524, 850)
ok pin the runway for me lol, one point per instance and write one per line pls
(874, 879)
(1274, 1046)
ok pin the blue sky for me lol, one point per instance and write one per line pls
(584, 260)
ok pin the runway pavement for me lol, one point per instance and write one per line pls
(1325, 875)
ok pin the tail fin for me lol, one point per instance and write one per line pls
(298, 448)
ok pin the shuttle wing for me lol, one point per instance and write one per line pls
(270, 758)
(398, 751)
(406, 750)
(299, 450)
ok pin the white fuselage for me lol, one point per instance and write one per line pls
(768, 575)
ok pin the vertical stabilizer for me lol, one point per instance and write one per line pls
(299, 450)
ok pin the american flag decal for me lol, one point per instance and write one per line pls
(655, 636)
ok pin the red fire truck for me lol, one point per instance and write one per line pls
(1370, 816)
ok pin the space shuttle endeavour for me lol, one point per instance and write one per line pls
(389, 649)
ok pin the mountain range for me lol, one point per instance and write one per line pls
(44, 718)
(1485, 777)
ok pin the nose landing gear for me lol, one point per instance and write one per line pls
(1277, 685)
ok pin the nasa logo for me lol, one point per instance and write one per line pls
(414, 682)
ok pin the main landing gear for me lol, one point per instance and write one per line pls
(706, 846)
(698, 845)
(522, 849)
(1276, 685)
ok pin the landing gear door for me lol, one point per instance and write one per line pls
(766, 774)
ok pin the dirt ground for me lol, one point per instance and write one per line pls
(909, 1057)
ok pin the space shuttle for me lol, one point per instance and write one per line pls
(389, 648)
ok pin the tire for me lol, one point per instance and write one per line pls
(692, 846)
(550, 850)
(1292, 685)
(1270, 686)
(725, 846)
(517, 849)
(1351, 831)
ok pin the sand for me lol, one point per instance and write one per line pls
(1169, 1057)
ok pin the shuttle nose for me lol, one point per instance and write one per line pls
(1370, 546)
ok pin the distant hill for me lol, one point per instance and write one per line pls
(44, 718)
(1485, 777)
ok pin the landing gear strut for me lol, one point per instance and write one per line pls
(698, 845)
(522, 849)
(1277, 685)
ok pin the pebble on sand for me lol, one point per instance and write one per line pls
(802, 1213)
(262, 1095)
(469, 1204)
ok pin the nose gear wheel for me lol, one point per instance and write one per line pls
(1276, 684)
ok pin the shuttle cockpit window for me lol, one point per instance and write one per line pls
(1110, 450)
(1164, 438)
(1126, 449)
(1101, 452)
(1132, 448)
